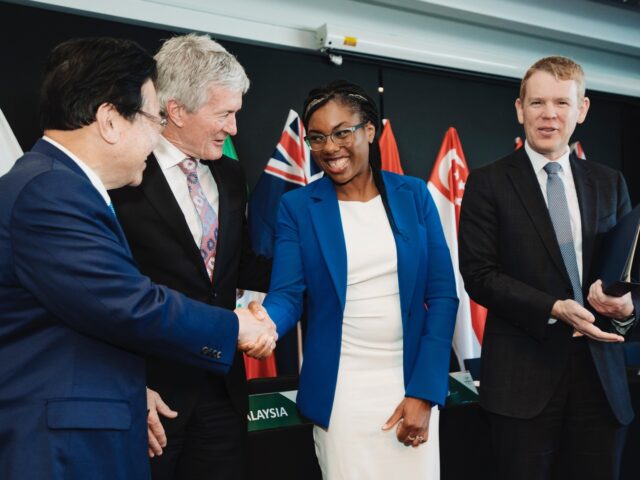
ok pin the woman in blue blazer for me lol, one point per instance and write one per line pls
(367, 251)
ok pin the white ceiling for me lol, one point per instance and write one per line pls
(500, 37)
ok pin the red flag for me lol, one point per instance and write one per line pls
(446, 186)
(389, 149)
(576, 147)
(256, 368)
(517, 143)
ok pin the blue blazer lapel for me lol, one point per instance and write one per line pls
(325, 216)
(403, 206)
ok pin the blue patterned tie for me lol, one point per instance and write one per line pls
(113, 211)
(559, 212)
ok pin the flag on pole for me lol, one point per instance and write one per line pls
(10, 150)
(446, 185)
(228, 149)
(576, 147)
(289, 167)
(389, 149)
(254, 368)
(518, 143)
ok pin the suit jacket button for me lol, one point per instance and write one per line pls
(218, 354)
(205, 350)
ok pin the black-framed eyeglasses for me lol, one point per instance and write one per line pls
(340, 138)
(161, 120)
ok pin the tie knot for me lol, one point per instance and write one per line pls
(188, 165)
(552, 168)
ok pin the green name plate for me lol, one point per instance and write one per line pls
(461, 389)
(273, 410)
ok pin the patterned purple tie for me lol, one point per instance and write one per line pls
(207, 215)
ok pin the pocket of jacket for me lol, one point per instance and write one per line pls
(88, 413)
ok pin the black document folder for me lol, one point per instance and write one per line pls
(619, 261)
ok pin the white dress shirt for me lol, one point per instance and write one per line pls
(169, 156)
(93, 177)
(539, 161)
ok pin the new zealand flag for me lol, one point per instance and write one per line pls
(289, 167)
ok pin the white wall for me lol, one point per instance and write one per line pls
(501, 37)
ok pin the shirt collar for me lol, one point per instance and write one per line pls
(91, 175)
(167, 154)
(539, 161)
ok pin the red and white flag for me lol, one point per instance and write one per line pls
(517, 143)
(389, 154)
(446, 186)
(576, 147)
(254, 368)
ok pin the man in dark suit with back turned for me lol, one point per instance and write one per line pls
(552, 373)
(75, 312)
(186, 227)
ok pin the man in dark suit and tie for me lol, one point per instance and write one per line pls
(186, 226)
(75, 312)
(552, 373)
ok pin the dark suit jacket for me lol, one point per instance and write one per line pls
(75, 317)
(164, 249)
(511, 263)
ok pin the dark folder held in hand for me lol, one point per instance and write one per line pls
(620, 262)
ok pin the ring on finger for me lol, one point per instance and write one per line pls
(411, 437)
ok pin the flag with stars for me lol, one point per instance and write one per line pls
(446, 186)
(289, 167)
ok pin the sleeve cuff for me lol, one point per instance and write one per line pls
(624, 325)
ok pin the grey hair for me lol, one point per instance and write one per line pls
(189, 64)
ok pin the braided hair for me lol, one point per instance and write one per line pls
(354, 97)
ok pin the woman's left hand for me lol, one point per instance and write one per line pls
(412, 416)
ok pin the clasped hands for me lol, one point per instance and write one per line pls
(257, 335)
(582, 320)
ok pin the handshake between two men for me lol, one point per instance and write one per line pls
(257, 337)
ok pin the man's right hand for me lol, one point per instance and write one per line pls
(257, 333)
(582, 320)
